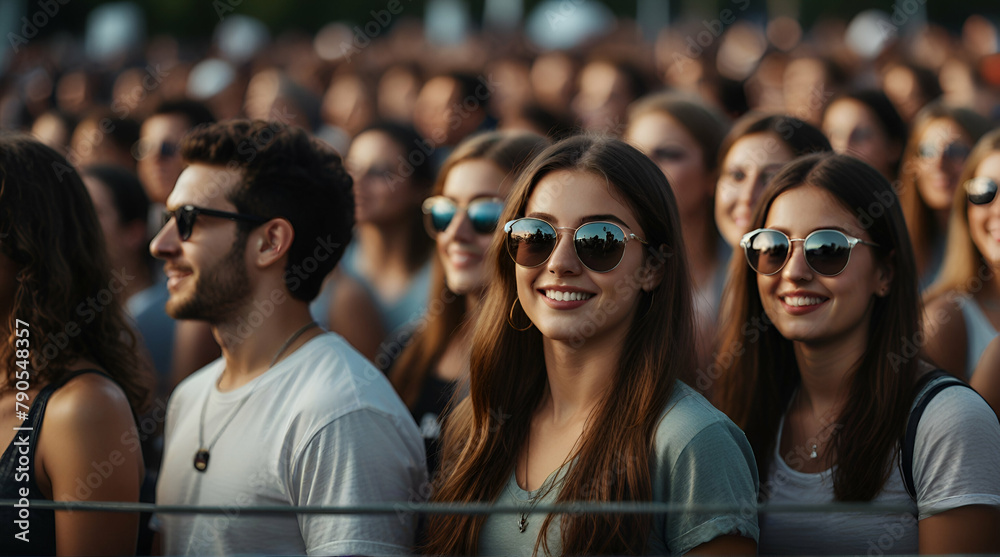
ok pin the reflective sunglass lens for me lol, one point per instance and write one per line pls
(981, 191)
(827, 252)
(600, 246)
(530, 242)
(441, 214)
(485, 215)
(956, 151)
(767, 251)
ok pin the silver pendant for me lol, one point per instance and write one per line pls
(522, 524)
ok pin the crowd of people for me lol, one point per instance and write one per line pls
(308, 276)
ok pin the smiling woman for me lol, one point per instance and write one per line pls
(826, 392)
(574, 393)
(461, 217)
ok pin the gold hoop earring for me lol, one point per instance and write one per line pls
(510, 317)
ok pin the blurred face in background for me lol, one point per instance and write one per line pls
(669, 144)
(348, 104)
(159, 154)
(461, 246)
(604, 96)
(853, 129)
(553, 81)
(397, 94)
(442, 116)
(941, 152)
(382, 195)
(748, 166)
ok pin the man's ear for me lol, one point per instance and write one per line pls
(271, 241)
(654, 268)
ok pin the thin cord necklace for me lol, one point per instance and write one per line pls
(202, 455)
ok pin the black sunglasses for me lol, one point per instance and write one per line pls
(953, 151)
(187, 214)
(600, 246)
(981, 190)
(484, 213)
(827, 251)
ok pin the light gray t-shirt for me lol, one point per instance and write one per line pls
(956, 462)
(323, 427)
(701, 457)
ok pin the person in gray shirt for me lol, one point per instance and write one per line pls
(586, 325)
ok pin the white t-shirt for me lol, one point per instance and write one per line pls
(322, 427)
(956, 462)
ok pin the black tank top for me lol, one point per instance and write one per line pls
(41, 532)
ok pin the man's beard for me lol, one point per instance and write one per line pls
(219, 291)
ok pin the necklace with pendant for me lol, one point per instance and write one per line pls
(522, 521)
(202, 455)
(813, 447)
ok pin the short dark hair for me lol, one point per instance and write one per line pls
(289, 174)
(194, 112)
(127, 193)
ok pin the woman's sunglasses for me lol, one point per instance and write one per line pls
(954, 151)
(483, 213)
(187, 214)
(599, 245)
(827, 251)
(981, 190)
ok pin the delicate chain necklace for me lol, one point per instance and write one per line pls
(522, 523)
(202, 455)
(814, 447)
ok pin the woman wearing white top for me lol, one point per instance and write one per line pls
(821, 370)
(963, 306)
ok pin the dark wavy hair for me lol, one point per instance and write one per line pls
(507, 371)
(755, 388)
(50, 232)
(289, 174)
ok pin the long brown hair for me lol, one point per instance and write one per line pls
(510, 152)
(963, 260)
(508, 379)
(920, 221)
(64, 290)
(756, 386)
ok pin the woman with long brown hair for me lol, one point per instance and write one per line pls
(461, 216)
(586, 326)
(71, 374)
(940, 140)
(963, 305)
(820, 367)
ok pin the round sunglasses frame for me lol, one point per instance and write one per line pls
(627, 236)
(851, 243)
(428, 206)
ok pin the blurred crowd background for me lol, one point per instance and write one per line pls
(115, 86)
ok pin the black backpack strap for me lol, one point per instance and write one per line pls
(910, 440)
